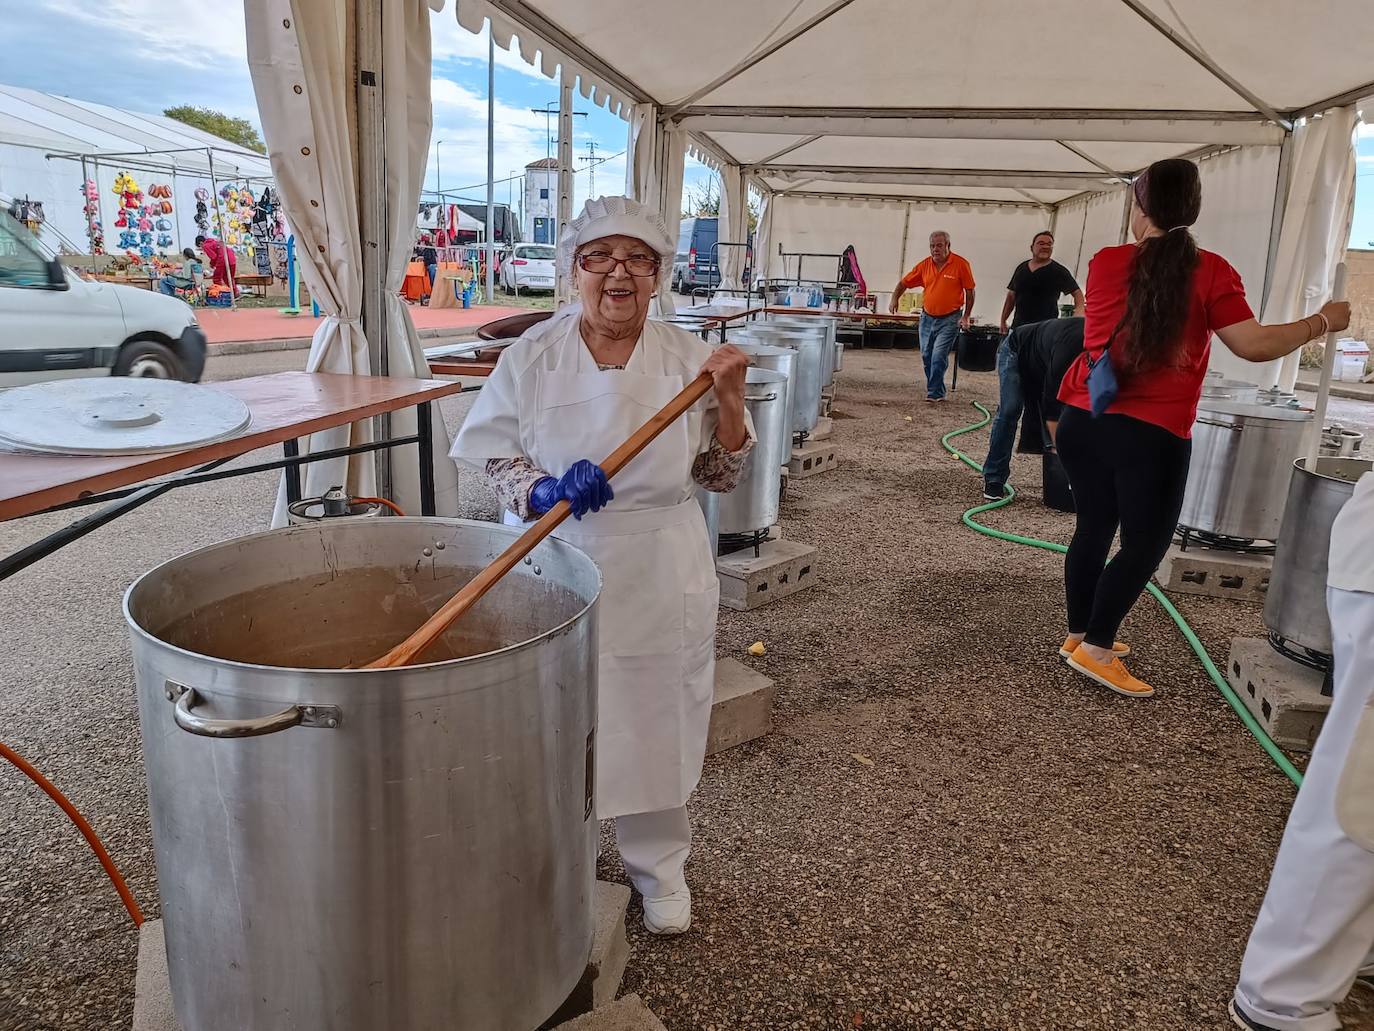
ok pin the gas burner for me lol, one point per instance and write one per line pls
(729, 543)
(1312, 659)
(1188, 536)
(799, 438)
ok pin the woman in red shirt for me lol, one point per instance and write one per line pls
(1152, 308)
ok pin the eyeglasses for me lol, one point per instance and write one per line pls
(600, 262)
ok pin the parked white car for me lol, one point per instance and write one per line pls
(529, 267)
(54, 323)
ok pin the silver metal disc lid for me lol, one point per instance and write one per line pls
(117, 415)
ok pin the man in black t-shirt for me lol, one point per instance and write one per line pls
(1036, 286)
(1033, 294)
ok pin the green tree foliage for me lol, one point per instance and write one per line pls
(216, 123)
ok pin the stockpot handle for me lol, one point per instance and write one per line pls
(325, 717)
(1219, 425)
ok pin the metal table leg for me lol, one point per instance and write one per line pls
(425, 432)
(292, 449)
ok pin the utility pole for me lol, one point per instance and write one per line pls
(591, 168)
(548, 111)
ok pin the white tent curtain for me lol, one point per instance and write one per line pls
(763, 236)
(298, 55)
(1315, 226)
(653, 176)
(733, 226)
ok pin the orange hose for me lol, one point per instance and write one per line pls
(85, 828)
(380, 501)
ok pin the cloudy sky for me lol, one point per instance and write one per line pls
(189, 53)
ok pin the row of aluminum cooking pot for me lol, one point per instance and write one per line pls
(792, 361)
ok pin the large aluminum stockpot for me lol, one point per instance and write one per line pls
(360, 849)
(753, 504)
(1242, 461)
(806, 384)
(1295, 605)
(776, 359)
(810, 324)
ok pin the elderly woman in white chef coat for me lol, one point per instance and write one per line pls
(563, 397)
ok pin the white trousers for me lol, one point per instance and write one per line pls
(654, 848)
(1315, 931)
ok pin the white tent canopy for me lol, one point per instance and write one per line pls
(904, 119)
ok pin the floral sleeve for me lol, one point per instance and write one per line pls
(719, 470)
(512, 479)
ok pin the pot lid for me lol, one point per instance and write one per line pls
(118, 415)
(1252, 410)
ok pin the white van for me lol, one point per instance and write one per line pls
(54, 323)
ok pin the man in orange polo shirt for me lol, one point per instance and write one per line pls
(946, 304)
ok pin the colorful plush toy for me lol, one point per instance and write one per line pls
(164, 240)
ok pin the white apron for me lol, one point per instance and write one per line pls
(657, 614)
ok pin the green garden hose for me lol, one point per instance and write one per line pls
(1265, 741)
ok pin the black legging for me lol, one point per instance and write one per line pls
(1127, 473)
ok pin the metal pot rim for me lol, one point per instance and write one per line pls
(137, 628)
(1300, 465)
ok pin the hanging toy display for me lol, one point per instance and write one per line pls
(90, 194)
(202, 217)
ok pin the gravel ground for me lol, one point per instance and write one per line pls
(947, 828)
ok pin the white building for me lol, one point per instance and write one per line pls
(541, 201)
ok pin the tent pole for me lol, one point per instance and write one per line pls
(1125, 218)
(372, 207)
(491, 165)
(906, 232)
(1281, 182)
(223, 228)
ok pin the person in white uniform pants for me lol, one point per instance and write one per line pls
(1314, 936)
(563, 397)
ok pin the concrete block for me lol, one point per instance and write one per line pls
(781, 568)
(742, 709)
(610, 955)
(1215, 574)
(1284, 696)
(825, 427)
(597, 989)
(627, 1014)
(152, 985)
(812, 458)
(827, 403)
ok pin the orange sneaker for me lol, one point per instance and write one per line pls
(1119, 649)
(1111, 675)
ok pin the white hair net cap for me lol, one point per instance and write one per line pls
(617, 216)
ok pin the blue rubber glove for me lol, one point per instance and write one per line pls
(584, 487)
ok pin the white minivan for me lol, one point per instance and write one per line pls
(55, 323)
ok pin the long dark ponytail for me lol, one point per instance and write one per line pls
(1161, 286)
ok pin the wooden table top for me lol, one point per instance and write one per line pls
(284, 405)
(460, 367)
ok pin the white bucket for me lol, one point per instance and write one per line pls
(1351, 368)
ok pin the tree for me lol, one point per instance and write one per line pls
(216, 123)
(703, 198)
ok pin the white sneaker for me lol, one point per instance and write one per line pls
(671, 914)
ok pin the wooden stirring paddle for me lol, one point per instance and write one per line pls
(433, 628)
